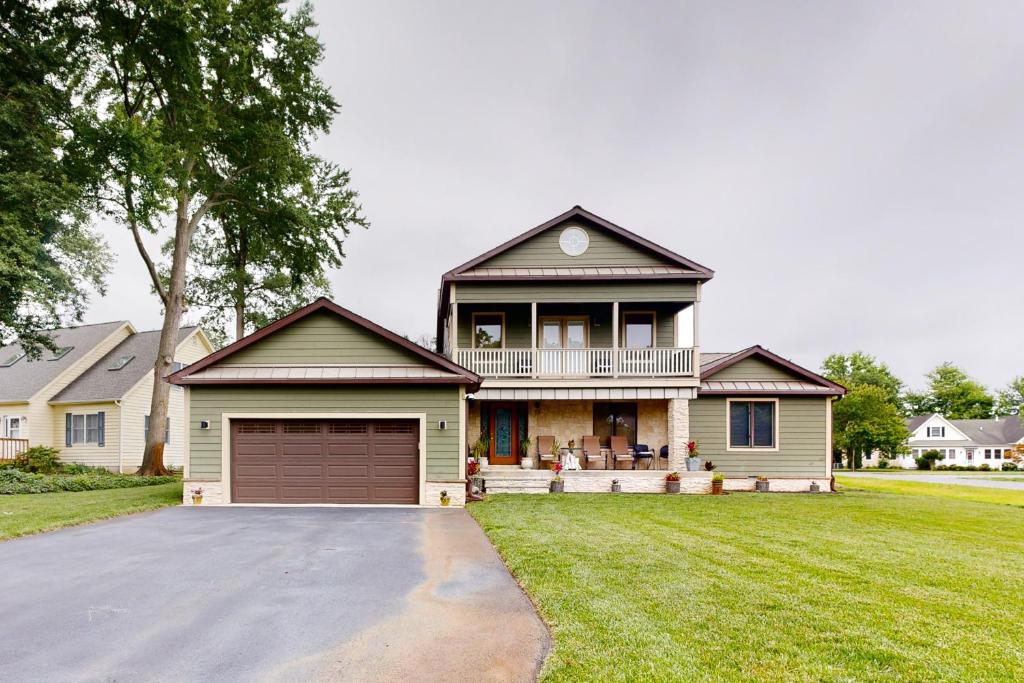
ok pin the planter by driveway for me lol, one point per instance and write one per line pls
(265, 594)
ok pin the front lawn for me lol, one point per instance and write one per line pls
(859, 586)
(28, 514)
(976, 494)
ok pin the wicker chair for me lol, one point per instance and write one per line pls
(592, 453)
(620, 451)
(544, 455)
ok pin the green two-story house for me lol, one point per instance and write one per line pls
(587, 337)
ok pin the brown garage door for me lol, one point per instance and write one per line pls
(325, 461)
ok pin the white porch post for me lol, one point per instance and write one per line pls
(533, 339)
(615, 338)
(678, 433)
(454, 332)
(696, 334)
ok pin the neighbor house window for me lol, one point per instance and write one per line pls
(752, 424)
(13, 426)
(488, 330)
(638, 330)
(167, 429)
(615, 419)
(84, 429)
(936, 431)
(997, 453)
(988, 453)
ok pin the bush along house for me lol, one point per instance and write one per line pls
(574, 345)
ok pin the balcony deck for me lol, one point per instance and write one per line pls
(578, 363)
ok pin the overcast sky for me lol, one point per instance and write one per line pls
(851, 171)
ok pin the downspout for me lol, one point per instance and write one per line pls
(120, 438)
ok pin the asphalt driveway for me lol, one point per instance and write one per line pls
(285, 594)
(989, 481)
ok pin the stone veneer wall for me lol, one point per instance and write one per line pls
(776, 485)
(213, 491)
(678, 432)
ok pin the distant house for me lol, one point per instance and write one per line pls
(960, 442)
(90, 398)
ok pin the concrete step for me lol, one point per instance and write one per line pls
(514, 489)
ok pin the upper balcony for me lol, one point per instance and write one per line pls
(578, 362)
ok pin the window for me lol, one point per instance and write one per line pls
(175, 366)
(12, 359)
(638, 330)
(84, 429)
(988, 453)
(60, 352)
(167, 429)
(488, 330)
(120, 362)
(936, 431)
(752, 424)
(970, 454)
(13, 425)
(997, 453)
(916, 452)
(615, 419)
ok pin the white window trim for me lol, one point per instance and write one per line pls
(563, 333)
(472, 328)
(85, 429)
(728, 426)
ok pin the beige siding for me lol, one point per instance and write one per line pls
(322, 338)
(89, 454)
(558, 292)
(438, 402)
(755, 369)
(605, 249)
(41, 416)
(803, 447)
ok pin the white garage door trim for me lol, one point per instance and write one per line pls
(225, 438)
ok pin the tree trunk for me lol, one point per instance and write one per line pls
(153, 457)
(240, 283)
(853, 460)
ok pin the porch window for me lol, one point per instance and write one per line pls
(488, 330)
(638, 330)
(752, 424)
(615, 419)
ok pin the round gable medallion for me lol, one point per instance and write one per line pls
(574, 241)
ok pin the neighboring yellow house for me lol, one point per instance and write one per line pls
(91, 397)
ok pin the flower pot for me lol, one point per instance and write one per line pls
(815, 488)
(761, 486)
(445, 502)
(197, 500)
(693, 464)
(616, 488)
(672, 486)
(484, 462)
(557, 487)
(526, 463)
(716, 487)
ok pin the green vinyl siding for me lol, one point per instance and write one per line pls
(577, 291)
(803, 445)
(323, 338)
(211, 402)
(605, 249)
(755, 369)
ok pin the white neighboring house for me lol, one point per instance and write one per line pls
(90, 399)
(960, 442)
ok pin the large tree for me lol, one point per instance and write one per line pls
(1010, 400)
(864, 421)
(952, 394)
(859, 368)
(198, 105)
(49, 256)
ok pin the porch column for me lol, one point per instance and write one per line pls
(615, 339)
(678, 433)
(696, 334)
(533, 339)
(453, 334)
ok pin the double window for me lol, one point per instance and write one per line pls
(936, 432)
(84, 429)
(752, 424)
(615, 419)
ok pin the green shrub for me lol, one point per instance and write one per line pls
(883, 464)
(1009, 467)
(985, 467)
(926, 461)
(15, 481)
(75, 468)
(39, 459)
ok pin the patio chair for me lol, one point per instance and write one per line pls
(663, 453)
(642, 451)
(592, 452)
(620, 452)
(544, 456)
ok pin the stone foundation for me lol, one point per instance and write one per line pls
(777, 485)
(213, 491)
(634, 482)
(456, 491)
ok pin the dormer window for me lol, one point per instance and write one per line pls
(120, 362)
(939, 432)
(11, 360)
(60, 352)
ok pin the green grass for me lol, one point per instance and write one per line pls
(860, 586)
(31, 513)
(975, 494)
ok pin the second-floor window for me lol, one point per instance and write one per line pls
(488, 330)
(638, 330)
(936, 431)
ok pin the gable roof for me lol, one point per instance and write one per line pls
(100, 383)
(676, 267)
(23, 380)
(805, 382)
(916, 421)
(450, 373)
(993, 432)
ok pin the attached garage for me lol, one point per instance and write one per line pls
(325, 407)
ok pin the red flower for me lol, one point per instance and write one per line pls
(558, 467)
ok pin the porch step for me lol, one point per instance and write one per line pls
(503, 485)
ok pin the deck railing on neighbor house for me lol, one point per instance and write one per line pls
(656, 362)
(12, 448)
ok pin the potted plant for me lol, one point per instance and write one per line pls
(572, 443)
(709, 466)
(761, 485)
(692, 457)
(717, 482)
(197, 495)
(445, 499)
(815, 487)
(672, 482)
(481, 450)
(556, 449)
(525, 461)
(557, 483)
(616, 486)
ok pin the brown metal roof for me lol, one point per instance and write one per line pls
(318, 373)
(711, 363)
(763, 387)
(571, 272)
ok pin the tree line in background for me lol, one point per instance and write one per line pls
(872, 415)
(192, 121)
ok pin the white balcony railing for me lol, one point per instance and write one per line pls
(658, 362)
